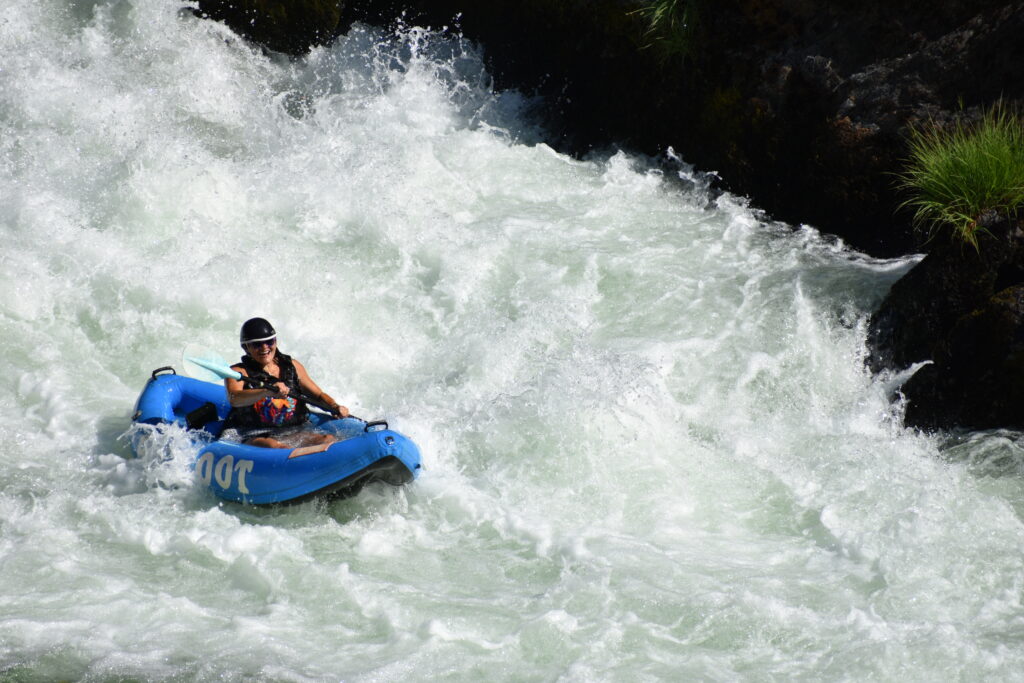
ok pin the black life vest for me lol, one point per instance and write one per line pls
(272, 411)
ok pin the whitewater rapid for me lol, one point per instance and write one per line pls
(651, 448)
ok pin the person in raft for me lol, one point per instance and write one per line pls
(273, 418)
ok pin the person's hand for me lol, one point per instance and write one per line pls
(339, 411)
(279, 389)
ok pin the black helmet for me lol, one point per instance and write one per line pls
(255, 330)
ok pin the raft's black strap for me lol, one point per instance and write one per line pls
(201, 415)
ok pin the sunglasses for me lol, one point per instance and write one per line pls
(261, 344)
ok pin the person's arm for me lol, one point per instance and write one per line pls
(310, 387)
(239, 396)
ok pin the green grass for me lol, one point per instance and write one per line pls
(671, 26)
(958, 175)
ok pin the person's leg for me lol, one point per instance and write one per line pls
(267, 442)
(294, 440)
(315, 439)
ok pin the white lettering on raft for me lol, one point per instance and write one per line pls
(242, 467)
(223, 471)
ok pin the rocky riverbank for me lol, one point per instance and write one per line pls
(803, 106)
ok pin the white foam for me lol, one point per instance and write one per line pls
(650, 445)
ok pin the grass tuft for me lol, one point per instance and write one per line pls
(957, 176)
(671, 26)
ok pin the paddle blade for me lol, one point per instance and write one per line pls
(205, 365)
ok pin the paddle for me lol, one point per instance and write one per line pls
(195, 359)
(207, 366)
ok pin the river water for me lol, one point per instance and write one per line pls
(651, 449)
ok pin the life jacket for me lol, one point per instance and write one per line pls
(271, 411)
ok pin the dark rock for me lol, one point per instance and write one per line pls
(961, 309)
(288, 26)
(951, 281)
(977, 379)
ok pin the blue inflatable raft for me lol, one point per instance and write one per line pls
(365, 452)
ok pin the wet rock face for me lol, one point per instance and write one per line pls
(977, 379)
(288, 26)
(963, 310)
(950, 282)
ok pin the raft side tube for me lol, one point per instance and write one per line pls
(171, 398)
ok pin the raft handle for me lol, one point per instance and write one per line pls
(163, 369)
(375, 423)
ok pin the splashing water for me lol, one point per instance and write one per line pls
(651, 448)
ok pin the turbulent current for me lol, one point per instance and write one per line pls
(651, 448)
